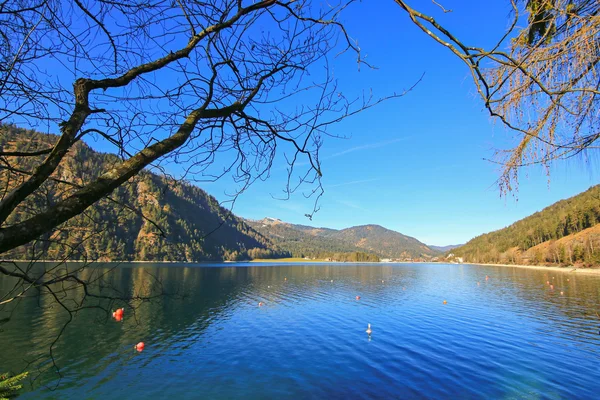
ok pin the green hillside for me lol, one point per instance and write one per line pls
(563, 233)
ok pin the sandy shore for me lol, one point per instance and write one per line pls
(572, 269)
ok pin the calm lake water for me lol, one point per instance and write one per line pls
(508, 337)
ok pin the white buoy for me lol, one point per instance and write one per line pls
(369, 331)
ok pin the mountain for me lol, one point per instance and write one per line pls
(150, 218)
(385, 242)
(302, 240)
(565, 233)
(444, 249)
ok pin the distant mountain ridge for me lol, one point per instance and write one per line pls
(444, 249)
(564, 233)
(303, 240)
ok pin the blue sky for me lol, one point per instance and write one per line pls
(416, 164)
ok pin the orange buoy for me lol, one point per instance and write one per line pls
(139, 346)
(357, 297)
(118, 314)
(445, 302)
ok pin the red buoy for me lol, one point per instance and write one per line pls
(139, 346)
(357, 297)
(260, 304)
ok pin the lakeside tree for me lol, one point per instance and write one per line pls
(540, 79)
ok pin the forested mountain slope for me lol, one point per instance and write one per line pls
(149, 218)
(563, 233)
(304, 241)
(385, 242)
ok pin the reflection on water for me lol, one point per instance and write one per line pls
(509, 336)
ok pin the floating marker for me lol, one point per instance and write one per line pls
(445, 302)
(118, 314)
(139, 346)
(260, 304)
(357, 297)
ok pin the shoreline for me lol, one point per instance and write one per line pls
(571, 269)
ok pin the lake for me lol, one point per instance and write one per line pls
(511, 336)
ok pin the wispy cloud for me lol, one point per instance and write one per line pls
(350, 204)
(350, 150)
(354, 182)
(366, 146)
